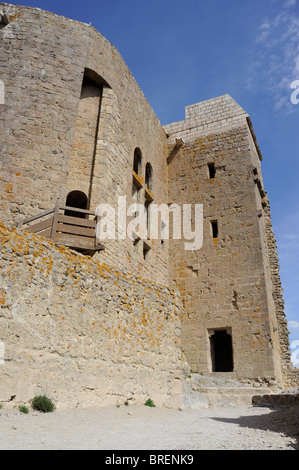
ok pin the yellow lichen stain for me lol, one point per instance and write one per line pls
(15, 16)
(147, 328)
(2, 298)
(8, 188)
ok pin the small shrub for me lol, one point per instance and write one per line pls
(24, 409)
(43, 404)
(149, 402)
(126, 403)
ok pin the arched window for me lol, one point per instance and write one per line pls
(76, 199)
(137, 160)
(149, 176)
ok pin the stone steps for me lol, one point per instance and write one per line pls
(203, 392)
(237, 397)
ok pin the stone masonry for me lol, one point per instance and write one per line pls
(99, 330)
(55, 73)
(232, 283)
(82, 332)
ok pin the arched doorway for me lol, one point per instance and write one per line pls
(76, 199)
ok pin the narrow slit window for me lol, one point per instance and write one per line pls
(214, 226)
(147, 214)
(212, 170)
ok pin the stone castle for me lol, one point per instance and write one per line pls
(94, 322)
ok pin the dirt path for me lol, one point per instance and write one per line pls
(141, 427)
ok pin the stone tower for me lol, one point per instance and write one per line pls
(230, 288)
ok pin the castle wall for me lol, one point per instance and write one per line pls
(72, 120)
(81, 332)
(45, 58)
(227, 284)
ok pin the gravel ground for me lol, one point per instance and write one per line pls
(144, 428)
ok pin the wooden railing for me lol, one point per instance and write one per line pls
(65, 225)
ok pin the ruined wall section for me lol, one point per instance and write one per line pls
(81, 332)
(225, 285)
(272, 270)
(45, 57)
(290, 373)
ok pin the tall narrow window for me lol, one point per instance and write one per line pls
(214, 227)
(137, 161)
(137, 181)
(147, 214)
(212, 170)
(149, 176)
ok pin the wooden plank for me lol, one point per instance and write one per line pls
(75, 241)
(75, 209)
(148, 195)
(77, 221)
(76, 230)
(45, 233)
(137, 181)
(55, 220)
(38, 216)
(40, 225)
(99, 247)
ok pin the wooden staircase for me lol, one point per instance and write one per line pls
(65, 225)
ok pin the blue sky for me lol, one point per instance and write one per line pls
(181, 53)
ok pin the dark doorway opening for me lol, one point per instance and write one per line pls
(221, 351)
(76, 199)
